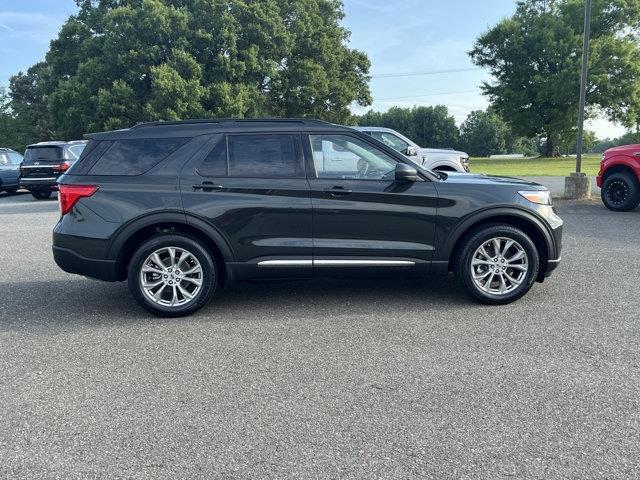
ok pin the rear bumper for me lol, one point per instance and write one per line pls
(72, 262)
(47, 183)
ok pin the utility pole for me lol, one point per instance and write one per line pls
(578, 185)
(583, 82)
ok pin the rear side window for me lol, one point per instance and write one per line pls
(255, 156)
(264, 156)
(136, 156)
(36, 154)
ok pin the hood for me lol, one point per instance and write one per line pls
(631, 150)
(431, 151)
(481, 179)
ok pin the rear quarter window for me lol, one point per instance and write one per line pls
(136, 156)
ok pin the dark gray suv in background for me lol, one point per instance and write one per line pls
(44, 162)
(179, 208)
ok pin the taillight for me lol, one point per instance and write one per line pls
(61, 168)
(68, 195)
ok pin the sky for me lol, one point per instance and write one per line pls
(401, 38)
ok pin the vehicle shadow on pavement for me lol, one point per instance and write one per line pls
(67, 302)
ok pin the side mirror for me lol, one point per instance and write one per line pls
(411, 151)
(405, 173)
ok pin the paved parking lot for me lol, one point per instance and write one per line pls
(323, 379)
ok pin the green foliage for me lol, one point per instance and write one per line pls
(118, 62)
(430, 127)
(629, 138)
(484, 133)
(535, 59)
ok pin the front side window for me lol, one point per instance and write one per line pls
(390, 140)
(255, 156)
(136, 156)
(346, 157)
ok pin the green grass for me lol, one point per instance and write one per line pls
(535, 167)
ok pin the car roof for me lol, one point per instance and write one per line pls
(54, 143)
(216, 125)
(375, 129)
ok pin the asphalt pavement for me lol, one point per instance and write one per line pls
(346, 379)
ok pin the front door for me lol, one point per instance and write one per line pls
(362, 217)
(252, 189)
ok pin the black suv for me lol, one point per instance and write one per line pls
(179, 208)
(44, 162)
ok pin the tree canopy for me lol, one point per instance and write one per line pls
(118, 62)
(535, 59)
(431, 127)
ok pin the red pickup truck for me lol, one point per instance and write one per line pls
(619, 178)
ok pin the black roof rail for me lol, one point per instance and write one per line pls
(302, 121)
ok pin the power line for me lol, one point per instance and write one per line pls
(426, 72)
(427, 95)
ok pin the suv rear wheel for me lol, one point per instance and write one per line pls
(498, 264)
(620, 192)
(172, 275)
(41, 195)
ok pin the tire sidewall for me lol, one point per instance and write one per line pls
(464, 269)
(634, 192)
(209, 274)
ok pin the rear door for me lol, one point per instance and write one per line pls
(252, 189)
(362, 216)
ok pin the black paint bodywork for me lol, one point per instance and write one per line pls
(250, 220)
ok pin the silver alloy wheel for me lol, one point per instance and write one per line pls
(171, 276)
(499, 266)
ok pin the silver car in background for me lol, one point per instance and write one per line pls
(432, 158)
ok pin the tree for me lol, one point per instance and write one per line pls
(484, 133)
(534, 58)
(118, 62)
(431, 127)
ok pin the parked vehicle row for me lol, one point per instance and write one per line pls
(179, 208)
(43, 164)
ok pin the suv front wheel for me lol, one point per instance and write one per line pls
(172, 275)
(620, 192)
(498, 264)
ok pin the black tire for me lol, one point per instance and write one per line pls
(41, 194)
(464, 271)
(209, 275)
(620, 192)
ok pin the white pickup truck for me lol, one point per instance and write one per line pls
(431, 158)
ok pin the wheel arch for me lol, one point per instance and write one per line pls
(129, 238)
(621, 165)
(445, 166)
(526, 222)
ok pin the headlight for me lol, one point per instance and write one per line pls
(541, 197)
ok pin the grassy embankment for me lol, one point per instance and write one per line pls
(535, 167)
